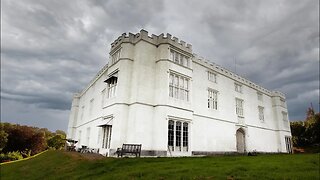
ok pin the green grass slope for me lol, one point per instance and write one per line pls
(62, 165)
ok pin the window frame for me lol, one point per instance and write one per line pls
(115, 56)
(106, 136)
(212, 76)
(240, 107)
(112, 85)
(212, 99)
(178, 135)
(238, 87)
(179, 58)
(261, 113)
(260, 96)
(179, 86)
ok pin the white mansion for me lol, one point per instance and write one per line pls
(154, 91)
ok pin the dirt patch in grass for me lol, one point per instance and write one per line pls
(85, 156)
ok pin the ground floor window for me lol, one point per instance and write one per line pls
(178, 135)
(288, 144)
(106, 138)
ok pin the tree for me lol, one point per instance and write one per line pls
(313, 129)
(298, 133)
(22, 138)
(3, 139)
(61, 132)
(306, 133)
(57, 141)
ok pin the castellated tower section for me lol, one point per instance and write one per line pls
(153, 39)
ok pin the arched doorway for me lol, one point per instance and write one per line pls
(241, 143)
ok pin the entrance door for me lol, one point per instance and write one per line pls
(241, 148)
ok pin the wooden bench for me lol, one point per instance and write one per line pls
(129, 148)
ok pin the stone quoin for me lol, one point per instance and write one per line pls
(156, 92)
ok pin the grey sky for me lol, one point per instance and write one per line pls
(52, 49)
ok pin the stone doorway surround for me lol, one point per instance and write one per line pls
(241, 141)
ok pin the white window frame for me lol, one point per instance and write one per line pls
(178, 138)
(106, 136)
(288, 142)
(238, 87)
(115, 56)
(212, 99)
(179, 86)
(239, 107)
(112, 87)
(212, 76)
(261, 113)
(179, 58)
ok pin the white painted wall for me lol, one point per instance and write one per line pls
(142, 107)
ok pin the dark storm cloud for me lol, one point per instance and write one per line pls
(52, 49)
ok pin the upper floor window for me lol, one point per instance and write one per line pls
(112, 88)
(115, 56)
(238, 87)
(239, 107)
(261, 113)
(179, 58)
(112, 85)
(179, 87)
(260, 96)
(212, 99)
(212, 77)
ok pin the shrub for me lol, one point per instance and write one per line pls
(56, 141)
(10, 156)
(26, 153)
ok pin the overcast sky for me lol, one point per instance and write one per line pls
(52, 49)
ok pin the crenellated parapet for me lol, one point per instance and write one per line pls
(225, 72)
(153, 39)
(278, 94)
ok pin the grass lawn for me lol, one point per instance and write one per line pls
(66, 165)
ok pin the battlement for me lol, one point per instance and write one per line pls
(153, 39)
(225, 72)
(279, 94)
